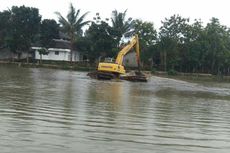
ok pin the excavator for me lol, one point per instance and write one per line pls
(115, 70)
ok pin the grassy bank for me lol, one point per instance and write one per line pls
(53, 65)
(193, 76)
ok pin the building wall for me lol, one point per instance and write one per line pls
(62, 56)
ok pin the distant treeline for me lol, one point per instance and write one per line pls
(179, 45)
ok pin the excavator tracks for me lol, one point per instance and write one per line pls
(101, 75)
(109, 76)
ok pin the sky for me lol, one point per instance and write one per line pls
(153, 11)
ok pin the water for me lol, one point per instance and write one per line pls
(45, 110)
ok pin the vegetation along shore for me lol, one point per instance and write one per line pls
(179, 46)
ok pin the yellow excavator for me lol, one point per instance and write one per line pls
(115, 70)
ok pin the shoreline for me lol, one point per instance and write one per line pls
(65, 66)
(78, 67)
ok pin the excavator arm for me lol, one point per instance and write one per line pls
(133, 42)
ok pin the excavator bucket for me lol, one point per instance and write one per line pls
(136, 77)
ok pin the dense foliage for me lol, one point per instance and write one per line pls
(193, 48)
(22, 27)
(179, 45)
(49, 30)
(4, 22)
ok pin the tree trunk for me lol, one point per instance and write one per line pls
(213, 67)
(12, 56)
(151, 63)
(162, 60)
(71, 51)
(19, 56)
(165, 61)
(27, 58)
(40, 58)
(71, 55)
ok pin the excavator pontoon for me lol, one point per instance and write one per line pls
(115, 70)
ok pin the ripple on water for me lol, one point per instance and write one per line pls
(43, 110)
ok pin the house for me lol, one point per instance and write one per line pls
(59, 51)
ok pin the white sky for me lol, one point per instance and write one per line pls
(148, 10)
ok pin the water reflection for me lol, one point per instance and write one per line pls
(107, 92)
(43, 110)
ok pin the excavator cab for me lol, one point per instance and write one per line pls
(109, 60)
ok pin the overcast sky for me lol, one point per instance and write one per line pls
(148, 10)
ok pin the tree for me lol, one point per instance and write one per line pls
(101, 39)
(193, 48)
(218, 37)
(23, 26)
(120, 24)
(170, 36)
(42, 51)
(49, 30)
(147, 38)
(4, 18)
(72, 25)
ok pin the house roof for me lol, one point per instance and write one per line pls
(36, 48)
(60, 43)
(56, 43)
(58, 49)
(53, 49)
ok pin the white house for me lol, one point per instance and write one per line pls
(57, 54)
(60, 52)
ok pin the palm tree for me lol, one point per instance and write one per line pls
(72, 25)
(120, 24)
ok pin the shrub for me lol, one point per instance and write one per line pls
(172, 72)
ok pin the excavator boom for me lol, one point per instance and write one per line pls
(134, 42)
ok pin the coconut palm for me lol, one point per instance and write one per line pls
(120, 24)
(72, 24)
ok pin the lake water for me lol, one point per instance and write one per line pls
(56, 111)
